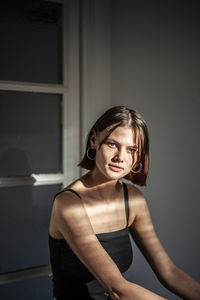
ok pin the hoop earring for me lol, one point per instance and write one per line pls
(137, 171)
(87, 153)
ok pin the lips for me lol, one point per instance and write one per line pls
(115, 168)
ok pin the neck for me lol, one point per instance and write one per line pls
(103, 187)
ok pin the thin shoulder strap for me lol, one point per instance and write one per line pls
(126, 202)
(67, 189)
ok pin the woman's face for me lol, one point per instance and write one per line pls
(116, 156)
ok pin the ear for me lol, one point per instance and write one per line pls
(93, 140)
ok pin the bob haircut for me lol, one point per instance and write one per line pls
(123, 116)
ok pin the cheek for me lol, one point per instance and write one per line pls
(101, 155)
(131, 159)
(106, 152)
(105, 156)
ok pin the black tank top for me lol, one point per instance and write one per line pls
(71, 279)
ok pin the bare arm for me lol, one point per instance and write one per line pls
(169, 275)
(73, 223)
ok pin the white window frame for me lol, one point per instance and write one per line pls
(70, 92)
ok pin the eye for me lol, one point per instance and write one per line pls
(111, 144)
(131, 150)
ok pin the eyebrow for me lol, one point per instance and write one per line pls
(109, 139)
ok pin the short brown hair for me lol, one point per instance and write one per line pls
(122, 116)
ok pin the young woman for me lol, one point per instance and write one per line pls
(91, 219)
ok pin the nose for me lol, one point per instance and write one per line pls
(119, 156)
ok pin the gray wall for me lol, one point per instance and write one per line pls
(155, 69)
(95, 63)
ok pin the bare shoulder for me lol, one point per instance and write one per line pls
(134, 193)
(67, 202)
(70, 196)
(67, 207)
(69, 216)
(137, 202)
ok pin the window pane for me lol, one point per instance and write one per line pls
(24, 222)
(30, 133)
(37, 288)
(30, 34)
